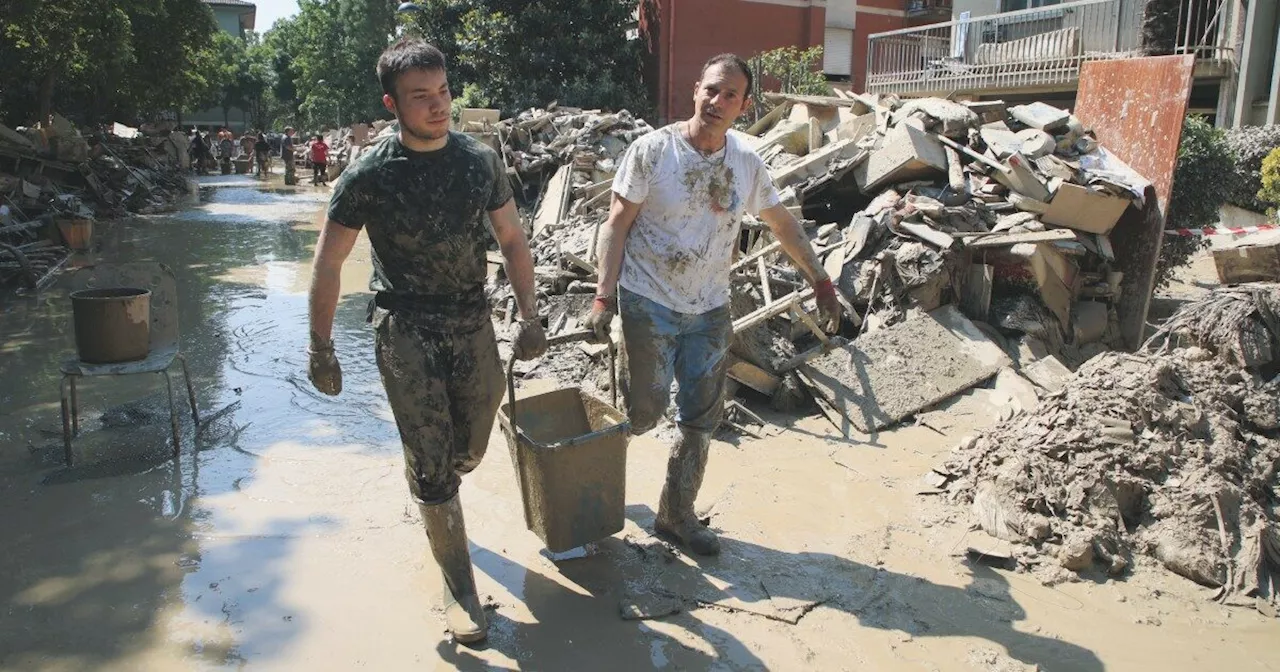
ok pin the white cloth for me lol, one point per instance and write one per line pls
(680, 249)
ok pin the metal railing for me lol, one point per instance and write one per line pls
(1037, 47)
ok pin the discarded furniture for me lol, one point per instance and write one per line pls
(164, 342)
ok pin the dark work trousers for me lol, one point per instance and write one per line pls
(444, 390)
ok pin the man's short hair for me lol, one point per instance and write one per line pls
(407, 54)
(735, 61)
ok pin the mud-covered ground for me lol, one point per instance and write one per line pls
(283, 536)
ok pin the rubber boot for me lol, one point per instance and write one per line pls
(447, 533)
(685, 467)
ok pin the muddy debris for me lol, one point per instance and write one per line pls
(56, 180)
(1164, 456)
(911, 206)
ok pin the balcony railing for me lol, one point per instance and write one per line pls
(1036, 47)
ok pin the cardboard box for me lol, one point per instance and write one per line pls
(1083, 209)
(1253, 258)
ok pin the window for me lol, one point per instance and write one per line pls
(1015, 5)
(837, 52)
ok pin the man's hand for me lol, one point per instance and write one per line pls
(530, 340)
(324, 371)
(829, 309)
(602, 311)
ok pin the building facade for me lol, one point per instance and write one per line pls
(682, 34)
(235, 17)
(1033, 49)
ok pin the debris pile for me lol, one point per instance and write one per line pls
(1240, 323)
(912, 206)
(1172, 456)
(54, 181)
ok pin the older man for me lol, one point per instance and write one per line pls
(665, 253)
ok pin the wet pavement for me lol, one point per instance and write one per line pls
(283, 537)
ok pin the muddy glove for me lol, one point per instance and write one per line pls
(829, 309)
(602, 311)
(324, 371)
(530, 340)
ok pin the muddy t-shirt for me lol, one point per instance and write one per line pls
(680, 249)
(426, 216)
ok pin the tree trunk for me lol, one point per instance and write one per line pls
(45, 97)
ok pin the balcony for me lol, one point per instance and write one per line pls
(1040, 48)
(927, 11)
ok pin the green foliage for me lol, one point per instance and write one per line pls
(1270, 191)
(99, 60)
(516, 54)
(1202, 180)
(1251, 144)
(787, 70)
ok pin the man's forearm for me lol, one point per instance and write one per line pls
(518, 262)
(326, 284)
(796, 244)
(609, 258)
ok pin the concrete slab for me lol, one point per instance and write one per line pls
(892, 373)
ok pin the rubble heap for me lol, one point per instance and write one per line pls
(1239, 323)
(54, 181)
(1171, 456)
(911, 205)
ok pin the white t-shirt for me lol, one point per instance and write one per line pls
(680, 249)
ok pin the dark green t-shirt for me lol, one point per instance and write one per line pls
(426, 214)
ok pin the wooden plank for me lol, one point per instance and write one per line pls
(742, 263)
(551, 209)
(764, 280)
(1005, 239)
(753, 376)
(771, 310)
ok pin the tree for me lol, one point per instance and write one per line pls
(97, 59)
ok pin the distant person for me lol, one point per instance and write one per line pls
(199, 153)
(287, 156)
(319, 161)
(262, 152)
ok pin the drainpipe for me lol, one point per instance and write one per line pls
(671, 61)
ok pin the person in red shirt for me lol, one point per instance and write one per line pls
(319, 161)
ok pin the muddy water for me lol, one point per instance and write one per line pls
(282, 537)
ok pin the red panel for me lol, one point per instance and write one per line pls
(1136, 107)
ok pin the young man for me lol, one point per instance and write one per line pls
(431, 200)
(319, 160)
(665, 253)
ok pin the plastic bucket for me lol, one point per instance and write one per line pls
(112, 325)
(569, 450)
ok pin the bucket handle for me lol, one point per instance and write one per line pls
(561, 340)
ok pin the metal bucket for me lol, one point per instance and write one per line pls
(569, 450)
(112, 324)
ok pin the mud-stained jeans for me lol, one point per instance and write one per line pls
(444, 390)
(663, 344)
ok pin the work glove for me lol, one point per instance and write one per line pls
(601, 318)
(829, 309)
(324, 372)
(530, 340)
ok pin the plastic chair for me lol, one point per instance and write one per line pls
(164, 341)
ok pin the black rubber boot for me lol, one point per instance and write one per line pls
(685, 467)
(447, 533)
